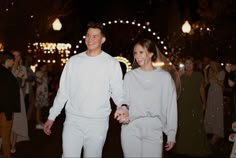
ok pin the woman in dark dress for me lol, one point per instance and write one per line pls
(191, 138)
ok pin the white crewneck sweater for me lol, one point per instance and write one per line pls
(86, 85)
(152, 94)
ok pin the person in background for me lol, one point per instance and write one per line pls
(205, 69)
(29, 87)
(20, 122)
(87, 82)
(150, 94)
(10, 100)
(231, 79)
(191, 139)
(41, 96)
(214, 115)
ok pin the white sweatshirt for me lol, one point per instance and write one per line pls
(86, 85)
(152, 94)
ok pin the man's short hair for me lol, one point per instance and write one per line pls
(97, 25)
(5, 55)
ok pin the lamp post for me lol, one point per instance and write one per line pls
(186, 28)
(56, 25)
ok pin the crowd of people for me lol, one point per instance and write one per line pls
(183, 104)
(23, 102)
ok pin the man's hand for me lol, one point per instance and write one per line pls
(231, 83)
(122, 115)
(47, 127)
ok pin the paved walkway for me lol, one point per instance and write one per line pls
(43, 146)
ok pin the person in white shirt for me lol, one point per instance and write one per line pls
(87, 82)
(151, 97)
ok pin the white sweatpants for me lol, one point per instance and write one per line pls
(142, 138)
(88, 133)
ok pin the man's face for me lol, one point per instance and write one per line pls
(94, 39)
(9, 63)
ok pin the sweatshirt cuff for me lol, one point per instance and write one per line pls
(50, 117)
(171, 137)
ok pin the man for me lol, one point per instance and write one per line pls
(10, 100)
(87, 82)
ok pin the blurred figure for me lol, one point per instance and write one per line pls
(205, 61)
(198, 66)
(10, 100)
(41, 95)
(151, 97)
(230, 81)
(214, 115)
(29, 87)
(191, 139)
(205, 68)
(20, 123)
(231, 78)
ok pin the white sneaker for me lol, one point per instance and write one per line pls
(39, 126)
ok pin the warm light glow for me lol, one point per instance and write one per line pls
(56, 25)
(186, 27)
(33, 67)
(158, 64)
(1, 47)
(125, 61)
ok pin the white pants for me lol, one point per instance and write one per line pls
(142, 138)
(232, 138)
(88, 133)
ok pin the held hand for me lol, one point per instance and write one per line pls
(169, 146)
(122, 115)
(47, 127)
(231, 83)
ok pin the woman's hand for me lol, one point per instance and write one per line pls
(169, 146)
(122, 115)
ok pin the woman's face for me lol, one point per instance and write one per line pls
(188, 65)
(142, 56)
(17, 56)
(213, 65)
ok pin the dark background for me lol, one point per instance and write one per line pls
(24, 21)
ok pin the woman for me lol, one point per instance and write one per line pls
(151, 97)
(191, 138)
(20, 124)
(41, 92)
(214, 116)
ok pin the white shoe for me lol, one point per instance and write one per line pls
(39, 126)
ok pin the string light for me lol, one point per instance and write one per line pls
(63, 49)
(125, 61)
(134, 23)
